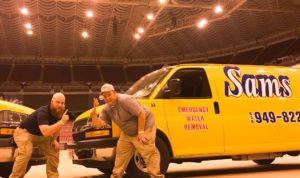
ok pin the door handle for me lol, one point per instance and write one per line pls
(216, 106)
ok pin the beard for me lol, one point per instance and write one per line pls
(56, 112)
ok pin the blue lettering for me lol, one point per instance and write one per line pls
(255, 85)
(238, 91)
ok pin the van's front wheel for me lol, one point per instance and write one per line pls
(137, 166)
(105, 171)
(6, 168)
(263, 161)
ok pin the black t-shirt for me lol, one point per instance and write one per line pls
(42, 116)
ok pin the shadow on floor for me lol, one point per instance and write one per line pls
(225, 171)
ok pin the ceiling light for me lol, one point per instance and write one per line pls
(29, 32)
(28, 26)
(162, 1)
(24, 11)
(140, 30)
(84, 34)
(202, 23)
(150, 16)
(218, 9)
(137, 36)
(89, 13)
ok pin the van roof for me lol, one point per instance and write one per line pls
(239, 65)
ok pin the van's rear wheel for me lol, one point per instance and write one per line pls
(137, 166)
(263, 161)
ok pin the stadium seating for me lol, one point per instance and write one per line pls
(246, 57)
(220, 60)
(5, 69)
(86, 73)
(70, 88)
(272, 52)
(113, 74)
(26, 73)
(136, 72)
(293, 49)
(10, 88)
(96, 88)
(157, 66)
(57, 74)
(37, 88)
(88, 78)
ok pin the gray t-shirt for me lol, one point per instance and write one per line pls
(125, 114)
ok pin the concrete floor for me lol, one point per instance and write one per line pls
(286, 167)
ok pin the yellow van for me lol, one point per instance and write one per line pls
(204, 112)
(10, 116)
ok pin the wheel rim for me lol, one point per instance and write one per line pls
(139, 162)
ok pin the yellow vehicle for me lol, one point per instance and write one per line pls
(10, 116)
(205, 112)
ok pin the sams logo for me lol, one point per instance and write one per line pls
(255, 85)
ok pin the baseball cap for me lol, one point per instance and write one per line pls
(106, 87)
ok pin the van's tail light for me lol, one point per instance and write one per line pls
(11, 118)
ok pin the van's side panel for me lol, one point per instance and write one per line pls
(256, 124)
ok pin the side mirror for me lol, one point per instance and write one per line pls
(174, 88)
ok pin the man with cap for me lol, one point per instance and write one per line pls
(138, 130)
(41, 128)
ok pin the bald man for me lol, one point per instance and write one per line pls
(41, 129)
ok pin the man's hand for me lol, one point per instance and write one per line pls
(65, 117)
(93, 112)
(55, 145)
(142, 138)
(96, 103)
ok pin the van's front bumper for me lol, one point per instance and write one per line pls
(9, 152)
(96, 153)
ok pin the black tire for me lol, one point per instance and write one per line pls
(263, 161)
(294, 153)
(105, 171)
(6, 168)
(137, 171)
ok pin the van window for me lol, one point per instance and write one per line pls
(143, 88)
(194, 84)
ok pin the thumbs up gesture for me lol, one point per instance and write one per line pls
(93, 112)
(65, 117)
(96, 103)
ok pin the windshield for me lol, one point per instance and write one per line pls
(145, 86)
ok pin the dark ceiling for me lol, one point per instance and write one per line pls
(173, 34)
